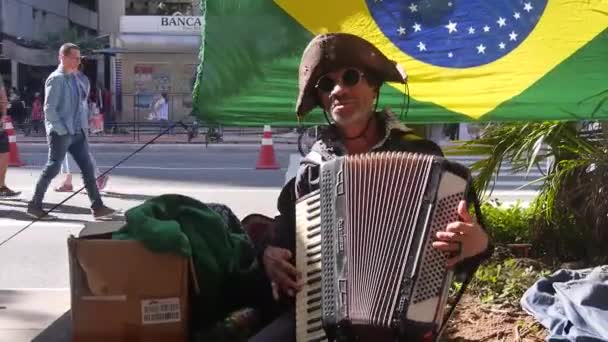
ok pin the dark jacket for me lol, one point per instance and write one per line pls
(397, 137)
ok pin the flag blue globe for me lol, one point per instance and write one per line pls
(457, 33)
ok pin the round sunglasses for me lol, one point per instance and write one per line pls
(349, 78)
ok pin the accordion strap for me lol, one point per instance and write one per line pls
(471, 197)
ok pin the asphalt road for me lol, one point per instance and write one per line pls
(36, 258)
(224, 174)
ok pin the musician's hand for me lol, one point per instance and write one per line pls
(464, 236)
(283, 275)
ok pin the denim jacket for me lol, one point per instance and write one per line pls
(59, 108)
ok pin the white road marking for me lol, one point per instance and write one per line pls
(183, 168)
(187, 188)
(160, 168)
(10, 222)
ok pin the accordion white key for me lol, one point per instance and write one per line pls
(363, 246)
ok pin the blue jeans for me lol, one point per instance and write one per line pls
(59, 145)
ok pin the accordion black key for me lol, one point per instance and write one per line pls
(363, 246)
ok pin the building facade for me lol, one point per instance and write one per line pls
(27, 27)
(147, 48)
(156, 54)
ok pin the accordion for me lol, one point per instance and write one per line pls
(363, 247)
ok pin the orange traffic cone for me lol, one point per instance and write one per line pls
(13, 157)
(267, 159)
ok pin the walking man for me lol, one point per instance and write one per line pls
(66, 121)
(5, 192)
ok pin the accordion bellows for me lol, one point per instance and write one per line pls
(363, 246)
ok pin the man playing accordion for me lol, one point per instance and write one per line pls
(342, 74)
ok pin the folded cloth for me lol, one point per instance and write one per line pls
(571, 304)
(222, 253)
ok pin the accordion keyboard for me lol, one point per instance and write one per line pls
(308, 261)
(364, 247)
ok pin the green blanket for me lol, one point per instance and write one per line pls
(223, 256)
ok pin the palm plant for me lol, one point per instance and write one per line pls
(570, 213)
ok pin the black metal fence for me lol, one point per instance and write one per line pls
(138, 118)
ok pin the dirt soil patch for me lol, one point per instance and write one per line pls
(475, 321)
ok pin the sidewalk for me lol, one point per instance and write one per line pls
(286, 138)
(37, 315)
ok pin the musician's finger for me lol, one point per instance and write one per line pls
(276, 272)
(292, 273)
(284, 253)
(278, 254)
(459, 227)
(446, 246)
(285, 282)
(275, 290)
(288, 268)
(463, 212)
(273, 256)
(448, 236)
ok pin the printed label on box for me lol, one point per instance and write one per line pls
(157, 311)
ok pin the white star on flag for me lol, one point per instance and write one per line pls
(401, 30)
(421, 46)
(417, 27)
(528, 7)
(450, 55)
(513, 36)
(502, 45)
(451, 27)
(516, 15)
(481, 49)
(501, 22)
(486, 28)
(471, 30)
(413, 8)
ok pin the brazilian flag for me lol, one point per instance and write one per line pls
(467, 60)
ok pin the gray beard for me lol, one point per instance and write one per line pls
(358, 117)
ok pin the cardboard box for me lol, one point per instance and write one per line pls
(120, 291)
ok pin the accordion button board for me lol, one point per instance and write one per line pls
(363, 247)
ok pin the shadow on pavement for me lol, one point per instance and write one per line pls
(14, 311)
(64, 208)
(123, 196)
(18, 209)
(58, 331)
(22, 216)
